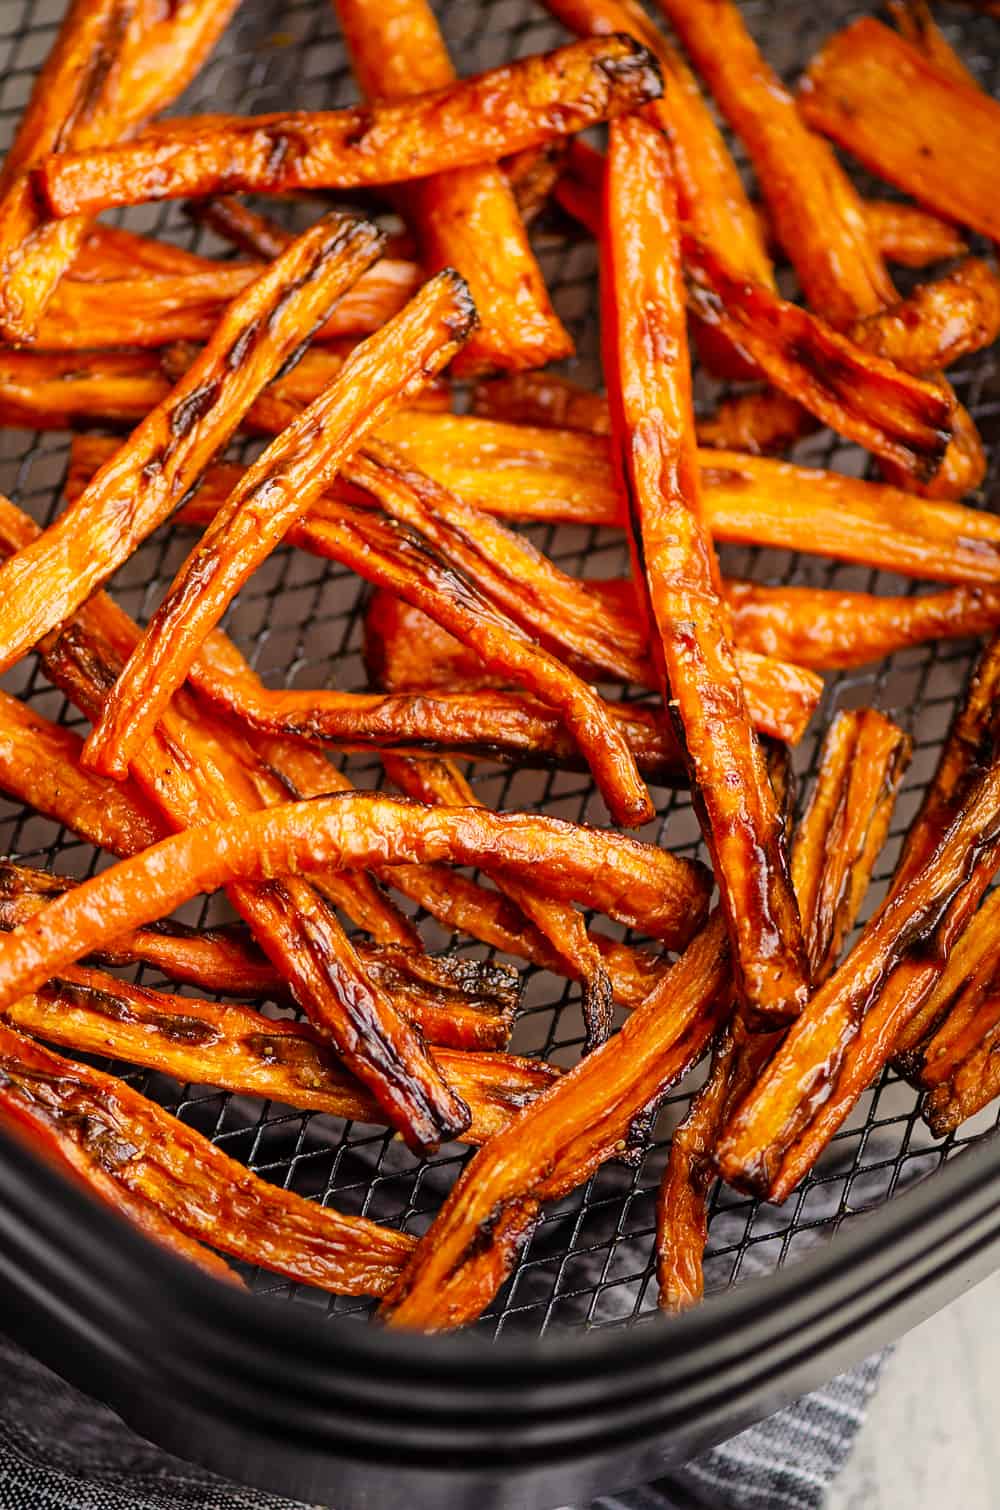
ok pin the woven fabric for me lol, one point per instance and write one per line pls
(60, 1450)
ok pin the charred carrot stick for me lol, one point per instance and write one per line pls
(941, 322)
(950, 1024)
(641, 886)
(457, 1003)
(908, 120)
(115, 1137)
(439, 783)
(278, 489)
(108, 71)
(40, 765)
(142, 484)
(144, 311)
(846, 1032)
(815, 209)
(475, 121)
(968, 1084)
(652, 422)
(833, 854)
(467, 219)
(241, 1050)
(246, 229)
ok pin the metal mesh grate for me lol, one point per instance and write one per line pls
(590, 1260)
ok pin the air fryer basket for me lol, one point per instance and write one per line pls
(589, 1266)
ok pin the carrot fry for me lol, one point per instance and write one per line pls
(108, 71)
(439, 783)
(40, 765)
(816, 212)
(138, 310)
(240, 1050)
(833, 854)
(900, 418)
(914, 21)
(475, 121)
(649, 381)
(142, 484)
(458, 1003)
(119, 1141)
(276, 490)
(847, 1031)
(909, 121)
(903, 233)
(109, 251)
(759, 423)
(39, 391)
(940, 323)
(466, 219)
(949, 1023)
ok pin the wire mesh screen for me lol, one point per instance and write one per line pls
(300, 622)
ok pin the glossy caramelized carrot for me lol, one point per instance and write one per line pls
(478, 120)
(439, 783)
(42, 391)
(191, 770)
(941, 322)
(243, 1051)
(833, 854)
(113, 1136)
(467, 219)
(149, 311)
(639, 885)
(815, 209)
(908, 120)
(112, 66)
(143, 483)
(848, 1030)
(461, 1004)
(276, 490)
(649, 383)
(952, 1020)
(901, 419)
(759, 423)
(40, 765)
(904, 233)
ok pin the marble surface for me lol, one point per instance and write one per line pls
(932, 1438)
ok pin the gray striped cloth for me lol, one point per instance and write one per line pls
(61, 1451)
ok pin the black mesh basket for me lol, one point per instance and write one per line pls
(571, 1382)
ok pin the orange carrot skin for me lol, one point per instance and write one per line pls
(653, 433)
(522, 104)
(468, 219)
(100, 1122)
(140, 486)
(278, 488)
(877, 95)
(940, 323)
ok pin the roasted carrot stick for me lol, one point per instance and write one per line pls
(141, 485)
(236, 222)
(148, 311)
(649, 383)
(39, 391)
(108, 71)
(241, 1050)
(941, 322)
(949, 1024)
(111, 1134)
(439, 783)
(833, 854)
(467, 219)
(906, 233)
(846, 1032)
(522, 104)
(908, 120)
(458, 1003)
(276, 490)
(914, 21)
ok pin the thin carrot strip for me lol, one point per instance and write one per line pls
(116, 1138)
(142, 484)
(298, 465)
(653, 434)
(467, 219)
(519, 105)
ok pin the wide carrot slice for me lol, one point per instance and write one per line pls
(908, 120)
(649, 382)
(276, 490)
(115, 1138)
(243, 1051)
(468, 219)
(108, 70)
(479, 120)
(143, 483)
